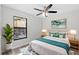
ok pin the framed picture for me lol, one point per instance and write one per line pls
(59, 24)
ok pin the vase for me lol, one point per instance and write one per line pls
(9, 46)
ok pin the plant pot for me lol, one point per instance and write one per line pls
(9, 46)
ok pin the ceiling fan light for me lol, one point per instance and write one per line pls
(46, 14)
(43, 14)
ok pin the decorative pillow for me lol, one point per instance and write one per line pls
(58, 35)
(54, 35)
(62, 35)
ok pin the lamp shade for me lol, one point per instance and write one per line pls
(44, 30)
(44, 33)
(73, 32)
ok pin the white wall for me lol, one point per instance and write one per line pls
(33, 26)
(0, 29)
(72, 21)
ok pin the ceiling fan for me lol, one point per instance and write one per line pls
(45, 11)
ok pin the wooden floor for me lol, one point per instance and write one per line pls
(17, 51)
(14, 51)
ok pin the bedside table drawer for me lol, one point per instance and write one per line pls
(74, 44)
(75, 47)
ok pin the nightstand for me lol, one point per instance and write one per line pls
(74, 43)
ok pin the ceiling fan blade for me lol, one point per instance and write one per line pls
(37, 9)
(39, 14)
(52, 11)
(48, 7)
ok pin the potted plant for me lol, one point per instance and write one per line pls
(8, 34)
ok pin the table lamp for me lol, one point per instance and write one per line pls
(73, 32)
(44, 32)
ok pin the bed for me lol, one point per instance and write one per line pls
(50, 46)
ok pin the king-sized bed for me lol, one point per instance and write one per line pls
(50, 46)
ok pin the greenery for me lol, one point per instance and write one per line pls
(57, 22)
(8, 33)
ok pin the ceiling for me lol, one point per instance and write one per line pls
(29, 8)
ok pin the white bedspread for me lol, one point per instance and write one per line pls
(47, 49)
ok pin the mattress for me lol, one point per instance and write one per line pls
(42, 48)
